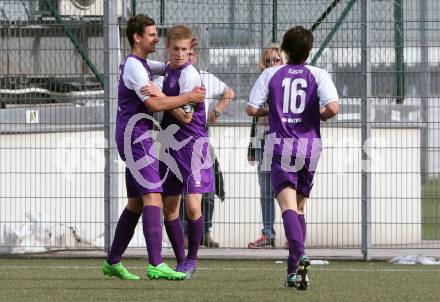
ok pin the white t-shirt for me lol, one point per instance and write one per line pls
(135, 75)
(189, 79)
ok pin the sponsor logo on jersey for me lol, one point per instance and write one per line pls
(295, 71)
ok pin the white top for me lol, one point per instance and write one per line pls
(135, 75)
(189, 79)
(214, 89)
(213, 85)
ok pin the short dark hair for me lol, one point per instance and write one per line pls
(297, 43)
(136, 25)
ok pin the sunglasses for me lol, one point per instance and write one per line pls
(272, 61)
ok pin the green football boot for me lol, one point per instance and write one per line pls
(118, 270)
(163, 271)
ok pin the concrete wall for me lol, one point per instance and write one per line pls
(60, 176)
(334, 209)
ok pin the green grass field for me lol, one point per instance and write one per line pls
(81, 280)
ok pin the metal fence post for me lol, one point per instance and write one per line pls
(274, 20)
(162, 12)
(398, 46)
(262, 27)
(133, 7)
(425, 94)
(231, 6)
(111, 61)
(365, 130)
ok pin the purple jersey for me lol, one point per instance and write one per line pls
(130, 104)
(193, 159)
(134, 72)
(176, 82)
(294, 94)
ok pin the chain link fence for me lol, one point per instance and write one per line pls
(377, 185)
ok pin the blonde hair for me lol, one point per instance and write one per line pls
(267, 54)
(179, 32)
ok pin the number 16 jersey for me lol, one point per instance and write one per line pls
(294, 94)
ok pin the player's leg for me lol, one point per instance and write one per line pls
(173, 226)
(125, 229)
(304, 185)
(301, 203)
(182, 217)
(152, 228)
(124, 232)
(193, 204)
(287, 201)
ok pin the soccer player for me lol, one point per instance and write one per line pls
(193, 160)
(298, 96)
(136, 71)
(215, 90)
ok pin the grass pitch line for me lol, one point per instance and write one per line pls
(227, 269)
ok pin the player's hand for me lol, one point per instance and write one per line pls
(144, 89)
(152, 90)
(194, 42)
(197, 94)
(321, 111)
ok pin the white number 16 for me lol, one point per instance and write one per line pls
(293, 90)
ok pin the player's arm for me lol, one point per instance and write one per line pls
(182, 115)
(257, 112)
(189, 79)
(153, 89)
(157, 68)
(164, 103)
(328, 96)
(329, 111)
(258, 96)
(135, 76)
(224, 101)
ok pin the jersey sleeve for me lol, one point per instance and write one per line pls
(214, 86)
(159, 82)
(189, 79)
(260, 91)
(326, 89)
(157, 68)
(135, 76)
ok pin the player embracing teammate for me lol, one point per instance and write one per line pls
(299, 97)
(134, 125)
